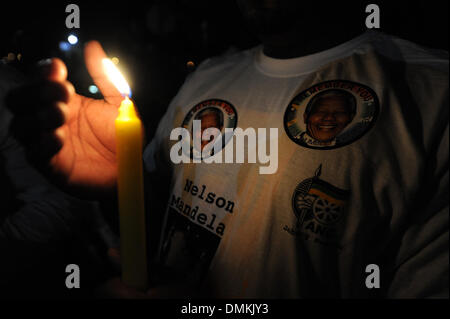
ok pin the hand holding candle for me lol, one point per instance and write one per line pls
(72, 137)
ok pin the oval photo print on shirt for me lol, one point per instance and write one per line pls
(331, 114)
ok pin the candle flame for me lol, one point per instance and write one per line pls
(116, 77)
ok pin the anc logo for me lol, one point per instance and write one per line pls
(331, 114)
(318, 207)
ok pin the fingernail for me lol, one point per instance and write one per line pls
(44, 67)
(59, 133)
(63, 109)
(44, 62)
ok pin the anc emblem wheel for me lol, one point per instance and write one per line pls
(326, 212)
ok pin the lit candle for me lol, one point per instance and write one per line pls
(130, 185)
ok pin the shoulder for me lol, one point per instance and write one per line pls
(410, 53)
(419, 77)
(215, 70)
(421, 70)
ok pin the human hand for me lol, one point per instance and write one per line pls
(66, 135)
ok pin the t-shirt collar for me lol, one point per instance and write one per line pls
(308, 63)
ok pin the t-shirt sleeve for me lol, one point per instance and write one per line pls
(421, 265)
(422, 261)
(156, 154)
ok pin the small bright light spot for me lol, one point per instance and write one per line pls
(11, 56)
(64, 46)
(190, 64)
(93, 89)
(115, 60)
(72, 39)
(19, 56)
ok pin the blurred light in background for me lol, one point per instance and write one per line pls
(93, 89)
(11, 57)
(190, 66)
(64, 46)
(115, 60)
(72, 39)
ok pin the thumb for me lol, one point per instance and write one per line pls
(93, 56)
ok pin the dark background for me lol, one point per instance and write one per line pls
(155, 39)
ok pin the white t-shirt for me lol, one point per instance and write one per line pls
(362, 174)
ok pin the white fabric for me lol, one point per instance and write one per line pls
(395, 175)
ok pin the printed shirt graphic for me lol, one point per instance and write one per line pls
(243, 234)
(319, 208)
(331, 114)
(213, 113)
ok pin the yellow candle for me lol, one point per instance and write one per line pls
(131, 196)
(130, 185)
